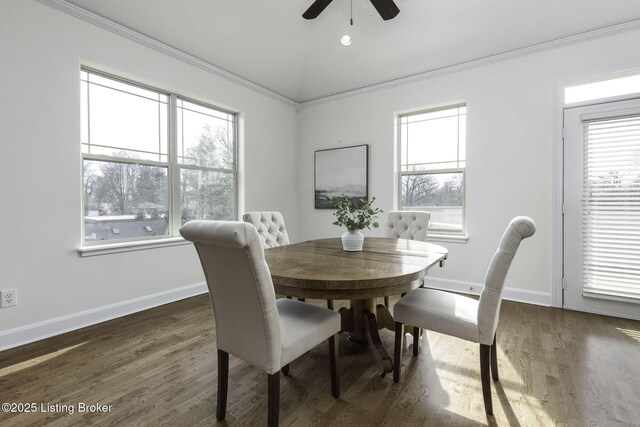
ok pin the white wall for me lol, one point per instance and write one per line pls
(41, 50)
(510, 145)
(510, 137)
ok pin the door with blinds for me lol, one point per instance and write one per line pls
(602, 209)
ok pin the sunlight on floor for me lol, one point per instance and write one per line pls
(461, 389)
(37, 360)
(631, 333)
(516, 395)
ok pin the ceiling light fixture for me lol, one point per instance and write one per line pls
(346, 38)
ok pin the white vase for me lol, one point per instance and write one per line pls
(352, 241)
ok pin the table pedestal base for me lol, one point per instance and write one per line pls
(355, 340)
(363, 320)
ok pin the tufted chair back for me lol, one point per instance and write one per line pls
(241, 290)
(410, 225)
(270, 226)
(518, 229)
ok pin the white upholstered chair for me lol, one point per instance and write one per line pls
(272, 231)
(270, 226)
(462, 316)
(250, 323)
(411, 225)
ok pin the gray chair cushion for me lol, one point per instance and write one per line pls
(303, 326)
(439, 311)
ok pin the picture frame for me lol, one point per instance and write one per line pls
(341, 171)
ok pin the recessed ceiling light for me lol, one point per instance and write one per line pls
(345, 40)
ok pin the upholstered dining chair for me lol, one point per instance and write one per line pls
(463, 316)
(272, 231)
(250, 323)
(270, 226)
(411, 225)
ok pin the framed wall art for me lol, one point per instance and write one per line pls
(341, 171)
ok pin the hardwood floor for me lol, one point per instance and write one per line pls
(158, 367)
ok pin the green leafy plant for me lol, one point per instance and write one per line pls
(355, 218)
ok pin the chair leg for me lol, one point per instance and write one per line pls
(397, 351)
(386, 302)
(485, 351)
(285, 369)
(416, 340)
(494, 360)
(223, 383)
(330, 304)
(334, 364)
(273, 399)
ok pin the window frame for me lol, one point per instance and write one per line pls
(435, 233)
(173, 172)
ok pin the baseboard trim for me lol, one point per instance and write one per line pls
(48, 328)
(511, 294)
(60, 325)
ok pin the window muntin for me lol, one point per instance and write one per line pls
(131, 161)
(432, 166)
(121, 119)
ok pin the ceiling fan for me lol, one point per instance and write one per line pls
(386, 8)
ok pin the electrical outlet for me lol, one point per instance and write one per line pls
(8, 298)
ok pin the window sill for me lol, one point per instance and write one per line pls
(114, 248)
(447, 238)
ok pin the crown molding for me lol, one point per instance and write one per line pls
(152, 43)
(164, 48)
(492, 59)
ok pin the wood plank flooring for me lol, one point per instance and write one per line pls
(158, 367)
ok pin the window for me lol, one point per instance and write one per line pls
(602, 89)
(432, 166)
(140, 179)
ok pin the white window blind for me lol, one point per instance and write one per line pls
(611, 207)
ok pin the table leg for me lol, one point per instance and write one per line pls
(359, 307)
(384, 318)
(363, 326)
(380, 353)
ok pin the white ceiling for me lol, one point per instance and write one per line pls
(269, 43)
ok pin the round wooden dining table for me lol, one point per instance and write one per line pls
(385, 266)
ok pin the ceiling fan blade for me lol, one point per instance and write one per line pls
(386, 8)
(316, 9)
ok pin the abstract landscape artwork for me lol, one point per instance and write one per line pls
(341, 171)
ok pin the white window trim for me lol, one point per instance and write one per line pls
(450, 238)
(129, 246)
